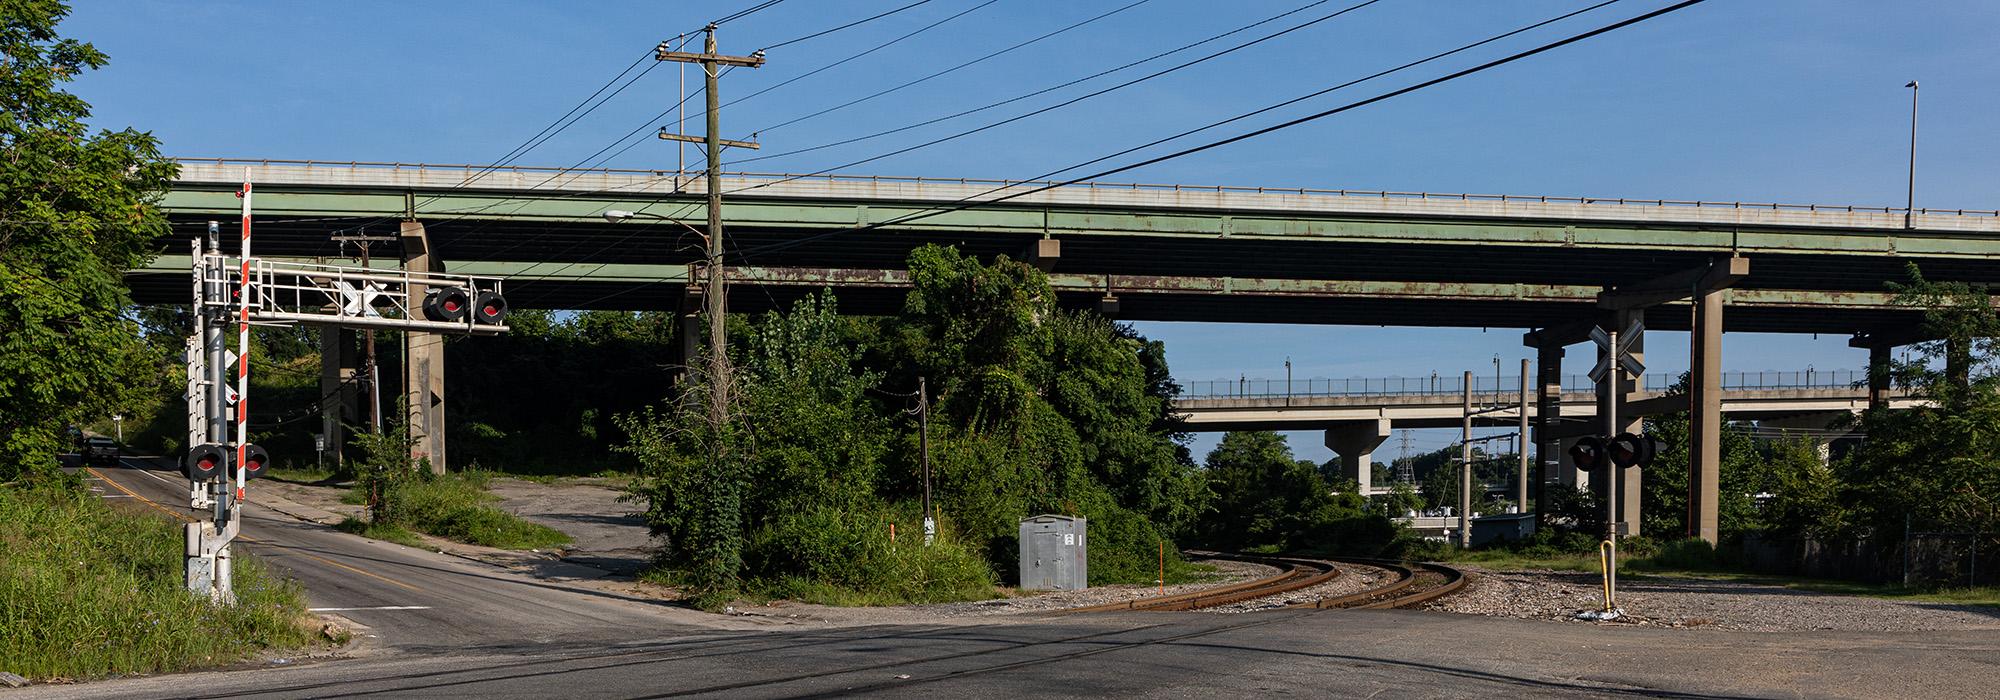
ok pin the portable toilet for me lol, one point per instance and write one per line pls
(1054, 556)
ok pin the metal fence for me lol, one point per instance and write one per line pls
(1918, 559)
(1453, 385)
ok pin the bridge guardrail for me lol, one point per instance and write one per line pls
(474, 172)
(1441, 385)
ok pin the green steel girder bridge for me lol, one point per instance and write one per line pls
(1554, 266)
(1169, 253)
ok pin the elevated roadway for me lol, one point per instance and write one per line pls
(1556, 265)
(1165, 252)
(1358, 415)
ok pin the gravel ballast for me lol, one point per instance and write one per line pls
(1699, 603)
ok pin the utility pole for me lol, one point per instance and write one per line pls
(924, 447)
(1521, 442)
(711, 63)
(366, 243)
(1465, 468)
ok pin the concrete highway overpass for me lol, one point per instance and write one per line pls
(1167, 252)
(1358, 415)
(1556, 266)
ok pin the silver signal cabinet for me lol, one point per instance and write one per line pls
(1054, 554)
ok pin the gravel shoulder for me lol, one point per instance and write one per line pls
(1024, 606)
(1703, 603)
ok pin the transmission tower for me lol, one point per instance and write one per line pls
(1405, 471)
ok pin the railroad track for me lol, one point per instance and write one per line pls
(1410, 585)
(1295, 574)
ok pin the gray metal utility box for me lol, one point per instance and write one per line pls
(1054, 554)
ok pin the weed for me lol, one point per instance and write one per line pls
(86, 590)
(453, 506)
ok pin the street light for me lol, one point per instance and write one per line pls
(617, 215)
(1910, 201)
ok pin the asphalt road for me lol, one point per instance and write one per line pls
(410, 599)
(488, 634)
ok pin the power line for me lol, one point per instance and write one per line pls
(877, 47)
(740, 14)
(852, 24)
(955, 68)
(1077, 99)
(525, 146)
(971, 201)
(1042, 91)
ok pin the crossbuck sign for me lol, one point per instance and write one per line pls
(1619, 353)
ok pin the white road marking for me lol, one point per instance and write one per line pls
(149, 472)
(380, 607)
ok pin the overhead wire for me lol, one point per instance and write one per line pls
(870, 50)
(1036, 93)
(1495, 63)
(849, 25)
(754, 9)
(1080, 98)
(961, 66)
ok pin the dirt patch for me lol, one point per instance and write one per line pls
(609, 534)
(1701, 603)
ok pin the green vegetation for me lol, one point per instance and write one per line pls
(387, 532)
(86, 590)
(453, 506)
(1266, 500)
(79, 211)
(1035, 410)
(404, 496)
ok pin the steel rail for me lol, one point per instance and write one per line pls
(1297, 574)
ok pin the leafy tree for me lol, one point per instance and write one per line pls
(1663, 499)
(1939, 463)
(1266, 498)
(79, 211)
(1035, 410)
(1805, 492)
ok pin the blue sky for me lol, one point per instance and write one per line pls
(1755, 100)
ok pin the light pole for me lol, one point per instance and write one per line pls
(1910, 194)
(119, 420)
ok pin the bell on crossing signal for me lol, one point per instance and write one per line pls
(254, 461)
(1588, 454)
(1628, 450)
(490, 309)
(205, 462)
(448, 304)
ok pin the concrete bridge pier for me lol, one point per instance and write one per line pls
(339, 389)
(423, 359)
(1355, 442)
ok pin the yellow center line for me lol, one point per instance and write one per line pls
(184, 518)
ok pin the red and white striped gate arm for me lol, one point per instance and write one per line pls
(243, 344)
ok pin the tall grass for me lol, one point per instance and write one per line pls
(453, 506)
(86, 590)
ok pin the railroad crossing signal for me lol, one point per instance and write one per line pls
(1619, 354)
(1592, 452)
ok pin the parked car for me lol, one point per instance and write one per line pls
(100, 451)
